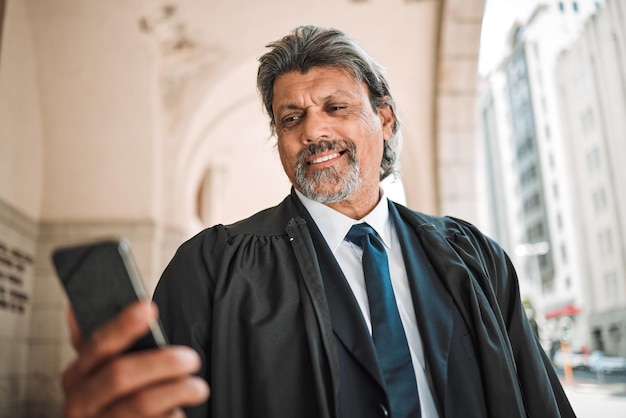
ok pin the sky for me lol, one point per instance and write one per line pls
(498, 19)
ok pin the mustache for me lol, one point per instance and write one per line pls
(342, 145)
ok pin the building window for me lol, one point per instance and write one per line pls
(615, 337)
(598, 340)
(524, 149)
(605, 242)
(532, 203)
(544, 262)
(587, 121)
(611, 288)
(561, 6)
(536, 233)
(599, 200)
(528, 176)
(575, 6)
(564, 253)
(593, 160)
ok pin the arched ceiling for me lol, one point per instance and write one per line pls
(430, 52)
(142, 98)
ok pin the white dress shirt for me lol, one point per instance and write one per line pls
(334, 227)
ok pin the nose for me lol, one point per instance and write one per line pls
(315, 127)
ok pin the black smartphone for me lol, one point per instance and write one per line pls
(100, 279)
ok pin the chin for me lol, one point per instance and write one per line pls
(327, 194)
(329, 185)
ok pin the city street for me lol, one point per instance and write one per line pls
(591, 400)
(595, 396)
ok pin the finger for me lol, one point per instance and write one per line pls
(162, 400)
(75, 334)
(78, 342)
(117, 335)
(70, 376)
(131, 373)
(176, 413)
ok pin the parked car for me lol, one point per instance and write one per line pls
(577, 359)
(601, 363)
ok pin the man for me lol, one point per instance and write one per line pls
(280, 307)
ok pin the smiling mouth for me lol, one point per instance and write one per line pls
(326, 158)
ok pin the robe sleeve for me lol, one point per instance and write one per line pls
(538, 380)
(184, 297)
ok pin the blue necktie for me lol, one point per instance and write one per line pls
(390, 341)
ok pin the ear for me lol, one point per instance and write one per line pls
(387, 119)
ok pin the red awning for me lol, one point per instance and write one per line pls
(563, 311)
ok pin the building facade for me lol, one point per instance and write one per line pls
(558, 98)
(591, 80)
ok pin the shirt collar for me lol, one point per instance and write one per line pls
(335, 225)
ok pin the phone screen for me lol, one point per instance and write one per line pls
(100, 279)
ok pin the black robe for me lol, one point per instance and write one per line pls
(250, 299)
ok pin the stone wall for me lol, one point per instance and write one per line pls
(34, 339)
(50, 349)
(18, 245)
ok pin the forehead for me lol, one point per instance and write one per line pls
(317, 83)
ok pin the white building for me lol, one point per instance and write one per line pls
(591, 80)
(535, 192)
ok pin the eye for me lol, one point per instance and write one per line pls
(290, 120)
(336, 107)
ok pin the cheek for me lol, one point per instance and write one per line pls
(372, 151)
(287, 156)
(370, 121)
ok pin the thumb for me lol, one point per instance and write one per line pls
(75, 334)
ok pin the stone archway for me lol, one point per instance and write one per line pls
(226, 142)
(438, 160)
(455, 131)
(446, 182)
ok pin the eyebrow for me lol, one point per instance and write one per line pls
(336, 94)
(287, 107)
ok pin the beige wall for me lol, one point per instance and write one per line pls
(21, 135)
(97, 81)
(21, 148)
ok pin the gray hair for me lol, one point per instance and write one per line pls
(307, 47)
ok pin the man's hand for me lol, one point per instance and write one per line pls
(106, 382)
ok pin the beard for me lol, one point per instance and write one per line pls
(327, 185)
